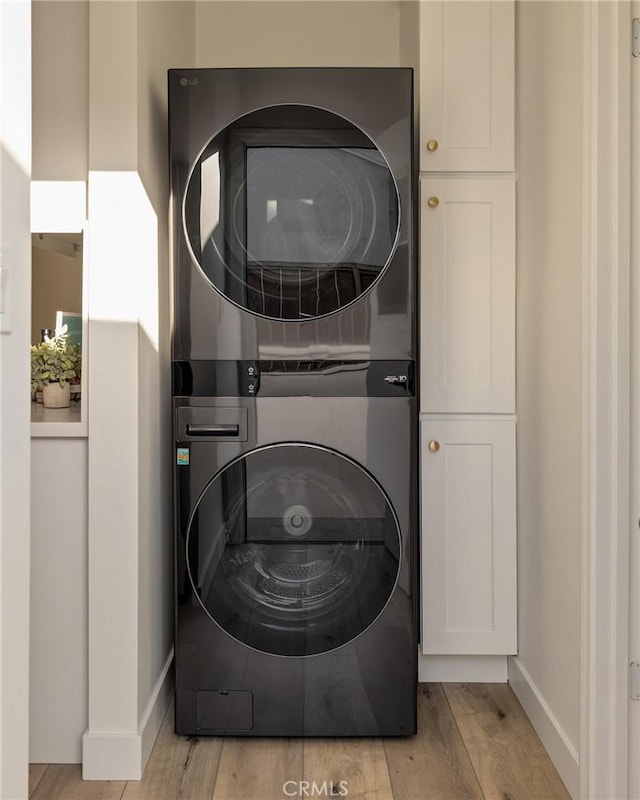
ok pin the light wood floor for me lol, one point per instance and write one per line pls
(474, 742)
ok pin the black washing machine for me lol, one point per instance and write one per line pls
(295, 540)
(294, 408)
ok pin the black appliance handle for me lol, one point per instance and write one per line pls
(213, 430)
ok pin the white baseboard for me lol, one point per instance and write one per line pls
(462, 669)
(156, 709)
(554, 739)
(122, 756)
(111, 757)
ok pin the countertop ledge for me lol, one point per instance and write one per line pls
(60, 423)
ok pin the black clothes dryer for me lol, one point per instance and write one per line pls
(292, 213)
(295, 531)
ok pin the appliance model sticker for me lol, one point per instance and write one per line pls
(182, 456)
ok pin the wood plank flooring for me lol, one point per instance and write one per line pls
(474, 742)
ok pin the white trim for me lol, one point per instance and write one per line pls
(552, 735)
(84, 373)
(589, 246)
(58, 430)
(15, 452)
(156, 709)
(428, 417)
(462, 669)
(634, 560)
(606, 430)
(122, 755)
(111, 756)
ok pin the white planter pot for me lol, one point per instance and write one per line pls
(56, 396)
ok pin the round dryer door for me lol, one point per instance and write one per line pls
(293, 549)
(291, 213)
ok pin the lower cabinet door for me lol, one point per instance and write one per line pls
(468, 551)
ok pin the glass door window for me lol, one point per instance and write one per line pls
(293, 549)
(292, 213)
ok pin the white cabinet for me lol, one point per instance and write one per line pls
(467, 327)
(467, 86)
(468, 295)
(468, 537)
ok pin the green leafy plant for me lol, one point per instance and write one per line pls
(54, 360)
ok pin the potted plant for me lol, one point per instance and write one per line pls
(54, 363)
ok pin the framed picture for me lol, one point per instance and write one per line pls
(73, 321)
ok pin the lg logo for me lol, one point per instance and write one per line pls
(188, 81)
(315, 788)
(396, 379)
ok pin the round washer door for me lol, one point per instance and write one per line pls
(291, 212)
(293, 549)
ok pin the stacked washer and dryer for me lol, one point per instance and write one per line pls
(294, 410)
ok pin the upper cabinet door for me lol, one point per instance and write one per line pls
(467, 277)
(466, 86)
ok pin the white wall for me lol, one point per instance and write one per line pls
(15, 254)
(56, 286)
(260, 33)
(549, 358)
(58, 630)
(130, 538)
(165, 39)
(60, 90)
(409, 56)
(58, 619)
(634, 559)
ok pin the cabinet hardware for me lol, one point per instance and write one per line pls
(433, 202)
(432, 145)
(434, 446)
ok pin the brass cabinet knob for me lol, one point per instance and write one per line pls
(434, 446)
(432, 145)
(433, 202)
